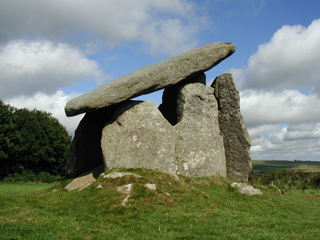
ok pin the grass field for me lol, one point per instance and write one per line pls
(188, 208)
(263, 167)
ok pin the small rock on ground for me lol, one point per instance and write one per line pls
(120, 174)
(246, 189)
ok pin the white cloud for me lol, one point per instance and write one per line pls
(256, 132)
(28, 67)
(280, 95)
(166, 26)
(53, 104)
(303, 131)
(288, 106)
(286, 144)
(289, 61)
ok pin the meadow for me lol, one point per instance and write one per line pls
(263, 167)
(184, 208)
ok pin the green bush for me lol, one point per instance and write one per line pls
(29, 176)
(31, 141)
(288, 179)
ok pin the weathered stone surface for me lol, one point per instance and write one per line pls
(152, 78)
(120, 175)
(85, 151)
(85, 179)
(246, 189)
(199, 147)
(125, 188)
(139, 137)
(168, 107)
(151, 186)
(236, 138)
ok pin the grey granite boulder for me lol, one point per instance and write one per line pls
(138, 136)
(237, 141)
(199, 147)
(152, 78)
(246, 189)
(85, 179)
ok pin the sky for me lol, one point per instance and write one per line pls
(53, 51)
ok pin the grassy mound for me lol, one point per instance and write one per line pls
(184, 208)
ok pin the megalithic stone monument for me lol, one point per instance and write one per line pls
(193, 133)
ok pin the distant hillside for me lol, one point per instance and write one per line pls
(265, 166)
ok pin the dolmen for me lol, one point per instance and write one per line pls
(197, 131)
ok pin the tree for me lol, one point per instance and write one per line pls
(31, 141)
(7, 136)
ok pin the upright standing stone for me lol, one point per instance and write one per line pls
(168, 107)
(152, 78)
(138, 136)
(199, 147)
(237, 141)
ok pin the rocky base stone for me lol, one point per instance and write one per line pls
(246, 189)
(85, 179)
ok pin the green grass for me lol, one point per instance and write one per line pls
(24, 188)
(188, 208)
(263, 167)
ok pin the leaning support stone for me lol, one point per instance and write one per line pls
(85, 151)
(237, 141)
(199, 147)
(152, 78)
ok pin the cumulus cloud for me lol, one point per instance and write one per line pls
(287, 144)
(165, 26)
(270, 107)
(282, 125)
(289, 61)
(28, 67)
(279, 92)
(53, 104)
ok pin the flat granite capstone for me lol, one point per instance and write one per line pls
(152, 78)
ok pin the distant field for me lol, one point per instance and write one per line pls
(265, 166)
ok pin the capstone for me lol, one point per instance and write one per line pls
(152, 78)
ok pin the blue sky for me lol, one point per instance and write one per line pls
(53, 51)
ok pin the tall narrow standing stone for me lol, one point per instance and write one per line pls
(199, 147)
(237, 141)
